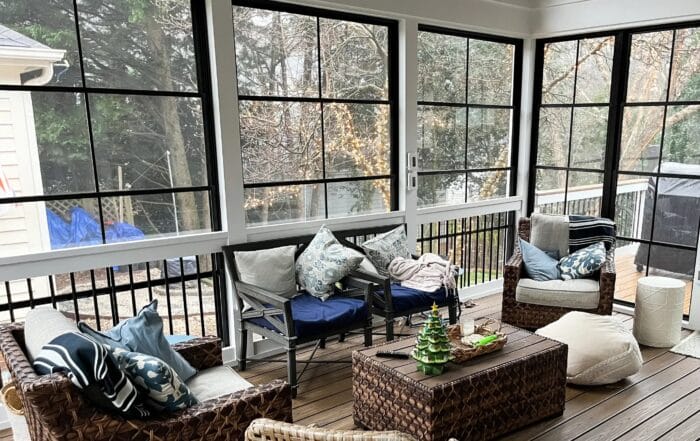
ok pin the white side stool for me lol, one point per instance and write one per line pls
(658, 311)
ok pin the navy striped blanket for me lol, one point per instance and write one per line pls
(587, 230)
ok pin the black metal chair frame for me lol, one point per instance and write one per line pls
(265, 304)
(382, 304)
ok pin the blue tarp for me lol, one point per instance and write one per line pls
(84, 229)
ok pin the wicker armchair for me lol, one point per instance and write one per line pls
(56, 410)
(531, 316)
(264, 429)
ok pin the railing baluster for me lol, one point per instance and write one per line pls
(184, 296)
(148, 281)
(95, 302)
(9, 301)
(52, 291)
(111, 285)
(199, 294)
(30, 292)
(167, 295)
(131, 288)
(73, 292)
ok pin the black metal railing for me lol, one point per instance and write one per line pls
(189, 290)
(480, 245)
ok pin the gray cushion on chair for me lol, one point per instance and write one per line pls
(550, 233)
(577, 293)
(43, 325)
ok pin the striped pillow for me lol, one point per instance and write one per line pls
(91, 369)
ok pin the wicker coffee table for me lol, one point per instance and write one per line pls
(482, 399)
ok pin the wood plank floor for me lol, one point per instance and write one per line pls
(661, 402)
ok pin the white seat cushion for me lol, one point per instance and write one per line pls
(215, 382)
(601, 349)
(575, 294)
(43, 325)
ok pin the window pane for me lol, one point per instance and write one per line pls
(558, 72)
(32, 227)
(594, 74)
(677, 211)
(356, 140)
(584, 193)
(147, 141)
(273, 205)
(588, 137)
(550, 186)
(641, 138)
(679, 263)
(146, 45)
(553, 141)
(359, 197)
(443, 189)
(490, 72)
(38, 25)
(441, 138)
(280, 141)
(649, 62)
(44, 144)
(155, 215)
(685, 77)
(276, 53)
(354, 60)
(482, 186)
(634, 202)
(442, 68)
(682, 137)
(489, 138)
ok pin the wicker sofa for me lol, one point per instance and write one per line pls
(532, 316)
(56, 410)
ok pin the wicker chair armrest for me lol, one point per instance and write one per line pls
(201, 352)
(607, 284)
(230, 414)
(511, 274)
(261, 294)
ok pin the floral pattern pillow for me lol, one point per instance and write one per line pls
(323, 263)
(583, 263)
(162, 388)
(386, 247)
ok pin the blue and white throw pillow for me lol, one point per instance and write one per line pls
(386, 247)
(583, 263)
(160, 384)
(323, 263)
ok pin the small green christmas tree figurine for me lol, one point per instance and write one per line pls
(432, 351)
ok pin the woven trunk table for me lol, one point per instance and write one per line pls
(482, 399)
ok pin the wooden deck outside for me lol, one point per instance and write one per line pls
(661, 402)
(627, 276)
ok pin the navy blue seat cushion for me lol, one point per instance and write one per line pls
(313, 316)
(405, 299)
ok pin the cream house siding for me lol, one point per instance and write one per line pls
(23, 228)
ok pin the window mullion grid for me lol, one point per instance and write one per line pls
(661, 150)
(323, 129)
(571, 131)
(466, 123)
(89, 121)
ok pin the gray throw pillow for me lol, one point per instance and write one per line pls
(271, 269)
(385, 247)
(538, 264)
(324, 262)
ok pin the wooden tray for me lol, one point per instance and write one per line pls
(463, 352)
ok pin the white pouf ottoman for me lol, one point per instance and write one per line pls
(658, 311)
(601, 349)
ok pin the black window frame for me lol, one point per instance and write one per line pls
(618, 103)
(515, 107)
(203, 93)
(537, 105)
(392, 100)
